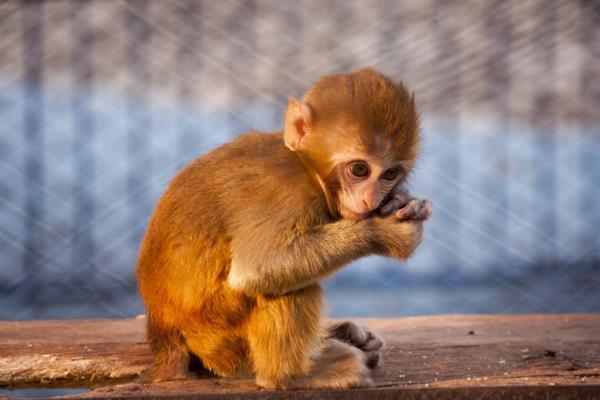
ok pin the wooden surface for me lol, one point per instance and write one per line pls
(462, 356)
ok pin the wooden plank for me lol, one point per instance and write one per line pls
(461, 356)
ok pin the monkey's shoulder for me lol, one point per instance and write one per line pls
(262, 150)
(254, 173)
(257, 157)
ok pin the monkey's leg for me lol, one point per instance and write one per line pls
(171, 356)
(361, 337)
(288, 348)
(221, 352)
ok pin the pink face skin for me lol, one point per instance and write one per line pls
(364, 186)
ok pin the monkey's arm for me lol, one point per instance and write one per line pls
(285, 262)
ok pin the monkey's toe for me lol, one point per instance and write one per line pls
(373, 359)
(372, 349)
(357, 335)
(362, 338)
(373, 342)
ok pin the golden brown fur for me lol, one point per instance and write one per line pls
(231, 262)
(372, 103)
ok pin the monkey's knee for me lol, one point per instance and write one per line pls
(283, 334)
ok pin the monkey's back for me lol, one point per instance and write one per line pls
(185, 256)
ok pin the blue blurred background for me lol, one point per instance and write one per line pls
(102, 102)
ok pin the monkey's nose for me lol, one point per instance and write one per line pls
(369, 205)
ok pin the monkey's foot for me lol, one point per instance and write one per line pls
(339, 365)
(161, 374)
(360, 337)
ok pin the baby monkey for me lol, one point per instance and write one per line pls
(230, 265)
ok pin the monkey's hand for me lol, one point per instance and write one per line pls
(406, 207)
(397, 199)
(398, 234)
(415, 210)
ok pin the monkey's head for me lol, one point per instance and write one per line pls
(359, 134)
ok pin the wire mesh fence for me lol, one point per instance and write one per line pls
(101, 102)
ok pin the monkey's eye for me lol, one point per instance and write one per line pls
(359, 169)
(391, 174)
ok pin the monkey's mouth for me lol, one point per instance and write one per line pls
(351, 215)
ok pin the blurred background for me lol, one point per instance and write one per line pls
(102, 102)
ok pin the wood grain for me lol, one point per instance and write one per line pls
(458, 356)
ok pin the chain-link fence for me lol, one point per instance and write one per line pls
(101, 102)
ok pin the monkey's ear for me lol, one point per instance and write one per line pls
(298, 121)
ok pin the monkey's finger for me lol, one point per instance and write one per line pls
(390, 206)
(396, 202)
(409, 211)
(424, 211)
(416, 210)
